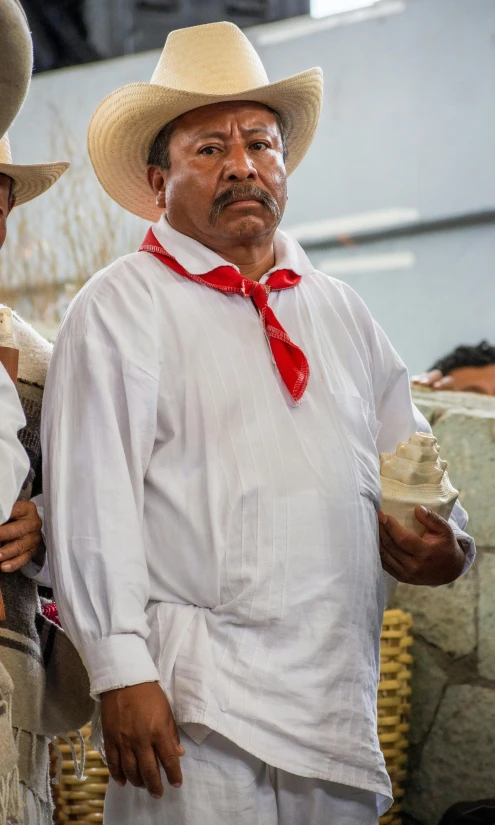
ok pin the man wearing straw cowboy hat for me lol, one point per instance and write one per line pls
(211, 435)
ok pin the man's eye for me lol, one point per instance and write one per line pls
(207, 150)
(259, 144)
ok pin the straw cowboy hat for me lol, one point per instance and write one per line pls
(199, 65)
(29, 180)
(16, 61)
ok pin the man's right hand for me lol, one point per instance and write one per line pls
(140, 734)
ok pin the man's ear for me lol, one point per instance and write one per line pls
(11, 205)
(157, 181)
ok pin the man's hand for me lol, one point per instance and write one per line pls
(22, 537)
(432, 559)
(140, 733)
(434, 379)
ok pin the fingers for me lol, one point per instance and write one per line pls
(131, 765)
(392, 565)
(176, 739)
(170, 762)
(396, 537)
(445, 383)
(22, 526)
(427, 379)
(18, 529)
(22, 509)
(16, 554)
(138, 723)
(20, 538)
(432, 521)
(149, 768)
(114, 764)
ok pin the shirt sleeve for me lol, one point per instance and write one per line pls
(98, 431)
(39, 572)
(399, 419)
(14, 463)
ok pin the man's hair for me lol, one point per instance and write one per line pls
(466, 356)
(159, 154)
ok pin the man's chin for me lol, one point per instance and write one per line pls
(246, 226)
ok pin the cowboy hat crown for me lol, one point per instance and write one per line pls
(204, 57)
(16, 61)
(199, 66)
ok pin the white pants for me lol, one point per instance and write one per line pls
(224, 785)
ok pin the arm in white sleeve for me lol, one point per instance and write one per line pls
(14, 463)
(98, 429)
(399, 419)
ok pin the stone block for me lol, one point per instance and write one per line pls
(486, 616)
(428, 682)
(443, 616)
(458, 759)
(464, 424)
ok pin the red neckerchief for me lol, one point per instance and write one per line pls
(290, 360)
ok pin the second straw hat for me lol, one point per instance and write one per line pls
(16, 61)
(30, 179)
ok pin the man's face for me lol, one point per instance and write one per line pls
(227, 178)
(474, 379)
(5, 205)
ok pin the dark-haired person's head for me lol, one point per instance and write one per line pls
(465, 369)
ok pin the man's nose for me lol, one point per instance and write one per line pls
(239, 166)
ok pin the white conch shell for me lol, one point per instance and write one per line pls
(6, 328)
(415, 474)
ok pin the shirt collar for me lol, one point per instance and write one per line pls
(199, 259)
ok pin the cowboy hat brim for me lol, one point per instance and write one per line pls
(31, 180)
(16, 61)
(126, 122)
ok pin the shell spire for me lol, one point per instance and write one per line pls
(415, 474)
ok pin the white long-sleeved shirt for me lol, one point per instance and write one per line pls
(206, 532)
(14, 463)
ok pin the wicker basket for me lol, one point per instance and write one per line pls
(76, 800)
(82, 802)
(393, 703)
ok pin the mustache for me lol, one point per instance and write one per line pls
(243, 190)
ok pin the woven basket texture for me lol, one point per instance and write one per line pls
(76, 800)
(394, 690)
(82, 801)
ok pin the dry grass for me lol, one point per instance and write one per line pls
(56, 242)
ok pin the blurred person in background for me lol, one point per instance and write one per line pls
(465, 369)
(16, 58)
(212, 419)
(41, 671)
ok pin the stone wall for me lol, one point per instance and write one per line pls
(452, 753)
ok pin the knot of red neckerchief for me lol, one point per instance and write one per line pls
(291, 362)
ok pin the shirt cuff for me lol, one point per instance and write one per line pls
(467, 543)
(38, 573)
(118, 661)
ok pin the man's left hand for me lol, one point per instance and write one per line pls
(432, 559)
(22, 537)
